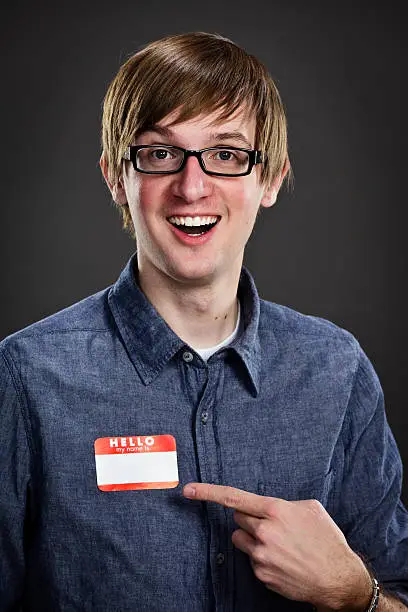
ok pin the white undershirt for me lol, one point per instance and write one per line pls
(205, 353)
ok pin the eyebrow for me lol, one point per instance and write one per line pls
(220, 136)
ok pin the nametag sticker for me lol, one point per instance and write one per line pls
(125, 463)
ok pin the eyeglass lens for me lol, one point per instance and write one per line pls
(167, 159)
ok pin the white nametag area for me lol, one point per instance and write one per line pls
(136, 462)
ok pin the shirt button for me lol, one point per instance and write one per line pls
(187, 356)
(220, 559)
(204, 418)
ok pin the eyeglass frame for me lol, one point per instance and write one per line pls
(254, 157)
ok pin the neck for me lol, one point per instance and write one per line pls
(202, 316)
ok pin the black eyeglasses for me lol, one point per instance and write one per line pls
(168, 159)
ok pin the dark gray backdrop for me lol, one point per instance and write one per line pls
(335, 247)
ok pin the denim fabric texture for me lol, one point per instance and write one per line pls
(292, 408)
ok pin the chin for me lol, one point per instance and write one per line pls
(195, 273)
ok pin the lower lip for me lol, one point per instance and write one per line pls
(193, 239)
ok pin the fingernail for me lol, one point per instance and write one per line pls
(189, 491)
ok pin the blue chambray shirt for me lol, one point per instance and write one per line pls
(292, 409)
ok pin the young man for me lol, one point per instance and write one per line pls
(175, 442)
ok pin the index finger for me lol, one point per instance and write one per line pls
(230, 497)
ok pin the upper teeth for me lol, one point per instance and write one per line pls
(192, 220)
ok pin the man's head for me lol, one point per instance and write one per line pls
(186, 76)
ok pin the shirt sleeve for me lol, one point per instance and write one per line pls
(14, 486)
(374, 519)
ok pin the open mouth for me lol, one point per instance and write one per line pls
(194, 225)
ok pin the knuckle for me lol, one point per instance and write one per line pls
(261, 574)
(270, 508)
(259, 556)
(315, 506)
(205, 492)
(261, 531)
(229, 501)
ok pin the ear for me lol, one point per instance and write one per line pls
(118, 192)
(270, 195)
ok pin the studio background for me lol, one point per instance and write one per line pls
(335, 247)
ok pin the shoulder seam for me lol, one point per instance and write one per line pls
(6, 358)
(355, 345)
(320, 321)
(359, 353)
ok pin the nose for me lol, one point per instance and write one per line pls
(191, 183)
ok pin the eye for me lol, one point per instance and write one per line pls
(224, 155)
(160, 154)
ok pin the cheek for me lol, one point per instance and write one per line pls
(148, 194)
(238, 196)
(247, 200)
(139, 197)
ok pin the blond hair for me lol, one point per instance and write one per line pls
(197, 73)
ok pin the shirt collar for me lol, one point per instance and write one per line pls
(151, 343)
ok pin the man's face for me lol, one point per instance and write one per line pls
(234, 201)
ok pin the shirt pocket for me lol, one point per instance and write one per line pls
(318, 488)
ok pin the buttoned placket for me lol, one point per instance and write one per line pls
(208, 458)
